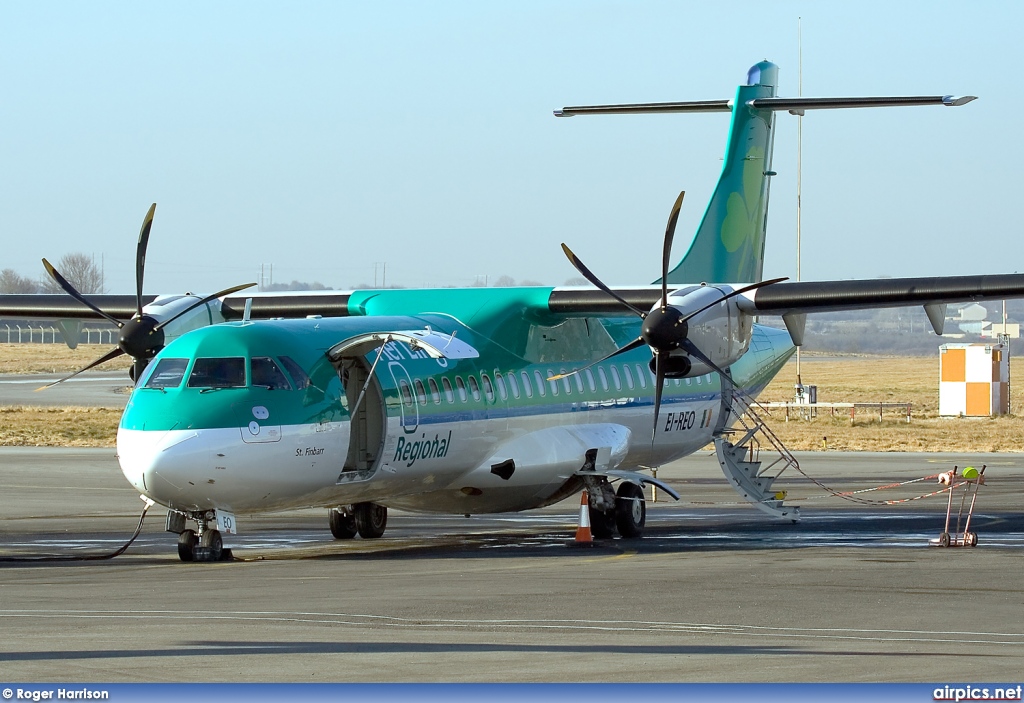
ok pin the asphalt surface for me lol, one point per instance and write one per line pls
(715, 591)
(108, 389)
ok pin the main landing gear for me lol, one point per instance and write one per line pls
(624, 510)
(205, 543)
(368, 520)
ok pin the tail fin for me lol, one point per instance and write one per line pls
(729, 244)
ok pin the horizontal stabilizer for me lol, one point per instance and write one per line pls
(794, 105)
(797, 105)
(637, 108)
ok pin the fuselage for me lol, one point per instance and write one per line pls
(254, 416)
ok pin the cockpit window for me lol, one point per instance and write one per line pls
(267, 374)
(167, 374)
(218, 373)
(298, 375)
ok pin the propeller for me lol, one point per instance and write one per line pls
(142, 336)
(665, 327)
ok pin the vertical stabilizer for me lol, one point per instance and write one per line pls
(729, 244)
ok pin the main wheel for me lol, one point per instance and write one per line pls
(371, 519)
(602, 524)
(343, 525)
(186, 544)
(630, 510)
(212, 540)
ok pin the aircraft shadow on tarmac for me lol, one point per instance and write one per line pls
(550, 536)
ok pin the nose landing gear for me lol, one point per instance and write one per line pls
(203, 544)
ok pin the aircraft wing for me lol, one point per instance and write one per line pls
(264, 305)
(793, 301)
(826, 296)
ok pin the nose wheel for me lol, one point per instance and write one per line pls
(204, 544)
(187, 542)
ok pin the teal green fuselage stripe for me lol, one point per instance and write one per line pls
(324, 400)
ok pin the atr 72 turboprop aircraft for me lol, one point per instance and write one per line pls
(479, 400)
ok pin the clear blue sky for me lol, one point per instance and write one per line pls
(323, 137)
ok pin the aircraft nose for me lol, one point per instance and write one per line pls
(155, 463)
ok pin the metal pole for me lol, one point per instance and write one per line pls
(799, 160)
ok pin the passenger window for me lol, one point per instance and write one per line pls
(435, 394)
(590, 381)
(565, 381)
(615, 378)
(513, 384)
(500, 382)
(266, 373)
(474, 388)
(299, 376)
(462, 389)
(629, 376)
(167, 374)
(448, 393)
(406, 392)
(421, 393)
(540, 383)
(527, 386)
(642, 375)
(218, 373)
(488, 388)
(579, 381)
(554, 384)
(700, 380)
(604, 378)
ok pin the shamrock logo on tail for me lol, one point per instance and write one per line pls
(742, 210)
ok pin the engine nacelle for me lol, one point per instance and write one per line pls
(167, 306)
(721, 331)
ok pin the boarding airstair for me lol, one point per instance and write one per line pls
(739, 448)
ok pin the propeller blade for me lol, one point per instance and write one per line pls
(691, 349)
(659, 386)
(589, 275)
(140, 255)
(112, 354)
(638, 342)
(738, 291)
(666, 254)
(193, 306)
(70, 290)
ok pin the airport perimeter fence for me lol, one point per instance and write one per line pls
(30, 333)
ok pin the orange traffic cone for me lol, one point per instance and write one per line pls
(583, 535)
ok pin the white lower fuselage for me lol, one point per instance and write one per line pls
(442, 467)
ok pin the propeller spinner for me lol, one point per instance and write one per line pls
(142, 336)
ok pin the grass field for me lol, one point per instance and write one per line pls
(853, 379)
